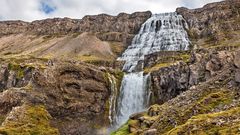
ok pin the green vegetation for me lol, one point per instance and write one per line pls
(2, 118)
(204, 105)
(116, 47)
(211, 124)
(18, 68)
(89, 58)
(156, 67)
(34, 120)
(166, 61)
(123, 130)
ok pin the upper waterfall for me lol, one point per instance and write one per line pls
(161, 32)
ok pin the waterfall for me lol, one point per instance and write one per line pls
(161, 32)
(113, 98)
(132, 88)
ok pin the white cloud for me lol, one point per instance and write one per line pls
(29, 10)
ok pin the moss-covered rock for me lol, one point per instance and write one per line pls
(123, 130)
(220, 123)
(28, 120)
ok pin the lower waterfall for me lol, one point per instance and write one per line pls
(132, 97)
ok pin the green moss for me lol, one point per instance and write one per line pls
(2, 118)
(33, 121)
(156, 67)
(168, 60)
(123, 130)
(75, 35)
(213, 100)
(206, 101)
(210, 124)
(206, 104)
(119, 76)
(18, 68)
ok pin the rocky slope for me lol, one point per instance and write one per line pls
(197, 91)
(93, 38)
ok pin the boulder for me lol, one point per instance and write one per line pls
(150, 132)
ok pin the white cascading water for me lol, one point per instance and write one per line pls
(133, 95)
(161, 32)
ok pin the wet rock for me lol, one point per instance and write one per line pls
(136, 116)
(154, 110)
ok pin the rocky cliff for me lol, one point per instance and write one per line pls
(73, 98)
(215, 24)
(108, 28)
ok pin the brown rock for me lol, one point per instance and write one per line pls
(237, 76)
(237, 59)
(150, 132)
(136, 116)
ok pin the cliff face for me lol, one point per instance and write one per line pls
(107, 28)
(214, 24)
(75, 96)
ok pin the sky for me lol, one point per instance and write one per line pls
(29, 10)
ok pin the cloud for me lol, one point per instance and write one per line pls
(30, 10)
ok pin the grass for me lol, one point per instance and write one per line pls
(166, 61)
(116, 47)
(123, 130)
(2, 118)
(205, 105)
(89, 58)
(206, 124)
(34, 120)
(18, 68)
(156, 67)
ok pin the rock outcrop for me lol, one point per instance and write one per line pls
(174, 78)
(74, 95)
(214, 23)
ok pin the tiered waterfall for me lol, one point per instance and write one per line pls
(161, 32)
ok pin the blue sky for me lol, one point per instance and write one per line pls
(29, 10)
(47, 8)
